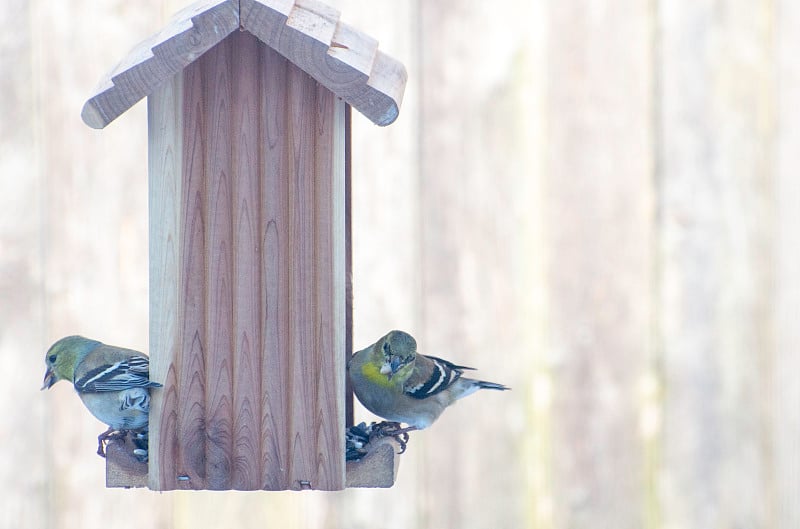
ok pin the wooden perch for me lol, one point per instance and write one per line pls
(308, 33)
(123, 469)
(378, 468)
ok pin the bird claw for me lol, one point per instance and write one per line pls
(357, 437)
(109, 435)
(139, 439)
(394, 430)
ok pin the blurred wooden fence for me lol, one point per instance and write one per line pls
(596, 203)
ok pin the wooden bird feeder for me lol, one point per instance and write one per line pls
(248, 129)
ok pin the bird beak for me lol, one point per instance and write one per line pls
(391, 367)
(396, 364)
(49, 379)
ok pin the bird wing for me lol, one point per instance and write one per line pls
(431, 376)
(132, 372)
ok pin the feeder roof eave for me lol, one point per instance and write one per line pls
(307, 32)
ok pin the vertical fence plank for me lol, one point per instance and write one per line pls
(599, 236)
(471, 205)
(95, 208)
(784, 420)
(92, 248)
(714, 187)
(29, 473)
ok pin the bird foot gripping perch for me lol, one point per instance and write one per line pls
(360, 436)
(109, 435)
(139, 442)
(372, 454)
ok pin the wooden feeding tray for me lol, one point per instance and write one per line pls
(377, 469)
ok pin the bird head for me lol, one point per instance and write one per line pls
(63, 356)
(398, 350)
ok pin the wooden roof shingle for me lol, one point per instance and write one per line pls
(307, 32)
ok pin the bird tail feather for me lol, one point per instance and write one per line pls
(491, 385)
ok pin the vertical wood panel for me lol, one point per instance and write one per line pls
(300, 129)
(329, 278)
(247, 471)
(165, 193)
(28, 479)
(215, 67)
(191, 352)
(275, 279)
(784, 418)
(348, 258)
(599, 236)
(468, 258)
(714, 246)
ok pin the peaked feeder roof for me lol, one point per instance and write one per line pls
(307, 32)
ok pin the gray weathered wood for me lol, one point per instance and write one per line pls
(598, 217)
(152, 62)
(782, 419)
(470, 239)
(713, 184)
(308, 33)
(165, 166)
(24, 225)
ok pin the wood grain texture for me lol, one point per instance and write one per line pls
(123, 469)
(217, 74)
(273, 75)
(155, 60)
(190, 360)
(308, 33)
(339, 57)
(165, 167)
(379, 466)
(300, 116)
(248, 309)
(329, 353)
(260, 363)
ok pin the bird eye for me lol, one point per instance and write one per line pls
(51, 359)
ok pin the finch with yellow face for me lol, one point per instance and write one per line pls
(392, 380)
